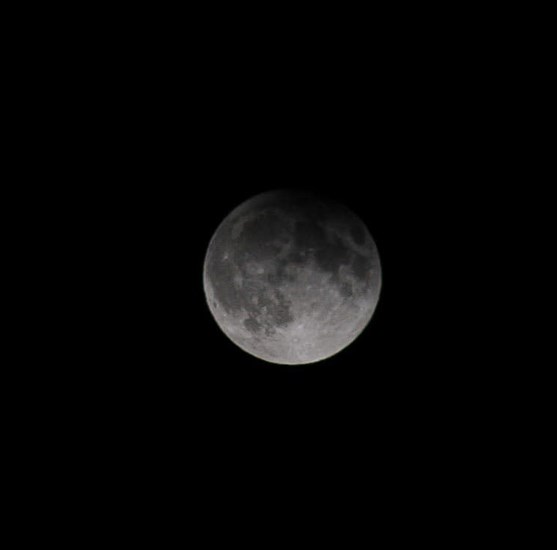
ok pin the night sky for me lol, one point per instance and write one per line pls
(136, 131)
(168, 360)
(159, 184)
(173, 143)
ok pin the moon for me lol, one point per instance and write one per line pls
(292, 277)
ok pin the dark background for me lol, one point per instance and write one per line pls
(134, 133)
(178, 149)
(153, 136)
(159, 361)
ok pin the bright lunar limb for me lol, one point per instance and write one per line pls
(292, 277)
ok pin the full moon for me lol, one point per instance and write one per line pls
(292, 277)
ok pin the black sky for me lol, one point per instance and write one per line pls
(163, 137)
(174, 151)
(138, 129)
(166, 354)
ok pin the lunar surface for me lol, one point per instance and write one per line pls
(291, 277)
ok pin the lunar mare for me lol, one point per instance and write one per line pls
(292, 278)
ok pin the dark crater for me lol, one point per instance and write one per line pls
(331, 256)
(277, 311)
(262, 237)
(252, 325)
(308, 234)
(280, 312)
(346, 290)
(280, 275)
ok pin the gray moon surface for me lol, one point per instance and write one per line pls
(291, 277)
